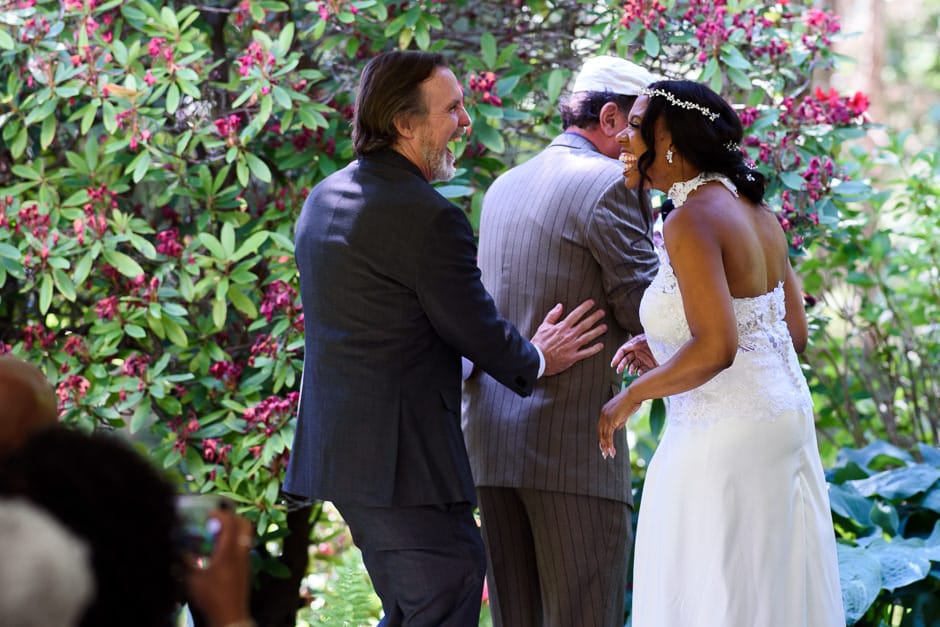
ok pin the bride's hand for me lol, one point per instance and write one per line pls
(614, 416)
(634, 356)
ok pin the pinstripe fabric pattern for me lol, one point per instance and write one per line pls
(579, 545)
(559, 228)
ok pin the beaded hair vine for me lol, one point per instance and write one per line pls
(684, 104)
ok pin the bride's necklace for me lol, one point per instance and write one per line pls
(680, 191)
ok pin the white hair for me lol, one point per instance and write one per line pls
(46, 578)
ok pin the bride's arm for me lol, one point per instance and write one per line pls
(795, 316)
(694, 248)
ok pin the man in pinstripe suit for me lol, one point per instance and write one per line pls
(561, 227)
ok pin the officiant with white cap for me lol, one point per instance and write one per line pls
(561, 228)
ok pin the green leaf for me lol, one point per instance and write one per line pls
(26, 172)
(174, 332)
(83, 268)
(143, 164)
(88, 117)
(109, 117)
(172, 98)
(214, 245)
(18, 147)
(556, 81)
(733, 58)
(6, 42)
(657, 416)
(845, 501)
(651, 44)
(122, 263)
(281, 97)
(48, 131)
(258, 167)
(64, 284)
(286, 37)
(860, 579)
(490, 137)
(250, 245)
(143, 245)
(242, 302)
(241, 171)
(228, 241)
(141, 416)
(454, 191)
(792, 180)
(739, 78)
(488, 50)
(902, 561)
(395, 26)
(42, 112)
(135, 331)
(9, 252)
(219, 312)
(45, 293)
(168, 17)
(156, 325)
(899, 483)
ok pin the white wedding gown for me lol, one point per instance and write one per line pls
(734, 526)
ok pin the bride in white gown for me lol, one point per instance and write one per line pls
(734, 527)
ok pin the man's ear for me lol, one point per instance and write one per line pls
(611, 119)
(406, 125)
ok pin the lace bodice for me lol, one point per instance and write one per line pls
(765, 378)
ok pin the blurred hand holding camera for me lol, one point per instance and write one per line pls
(219, 587)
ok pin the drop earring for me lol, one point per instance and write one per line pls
(669, 156)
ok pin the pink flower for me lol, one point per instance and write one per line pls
(73, 388)
(155, 46)
(858, 103)
(107, 307)
(168, 243)
(279, 296)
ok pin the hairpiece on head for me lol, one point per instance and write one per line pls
(684, 104)
(731, 146)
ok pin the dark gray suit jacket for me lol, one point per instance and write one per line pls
(560, 228)
(392, 298)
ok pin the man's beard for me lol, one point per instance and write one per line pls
(439, 160)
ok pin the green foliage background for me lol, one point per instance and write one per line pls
(153, 157)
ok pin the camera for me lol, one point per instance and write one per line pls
(198, 531)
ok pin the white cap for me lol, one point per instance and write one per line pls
(613, 74)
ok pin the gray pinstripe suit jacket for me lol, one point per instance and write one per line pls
(560, 228)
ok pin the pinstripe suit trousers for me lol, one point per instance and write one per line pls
(580, 544)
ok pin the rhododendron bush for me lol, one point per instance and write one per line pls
(154, 156)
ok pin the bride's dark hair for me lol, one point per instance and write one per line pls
(705, 130)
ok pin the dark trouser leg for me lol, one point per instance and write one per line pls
(582, 546)
(512, 576)
(556, 559)
(426, 562)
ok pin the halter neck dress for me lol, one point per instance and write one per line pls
(734, 526)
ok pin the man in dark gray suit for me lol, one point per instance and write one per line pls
(392, 298)
(561, 227)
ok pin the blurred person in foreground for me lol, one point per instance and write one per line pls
(46, 578)
(27, 401)
(735, 527)
(117, 503)
(561, 227)
(392, 299)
